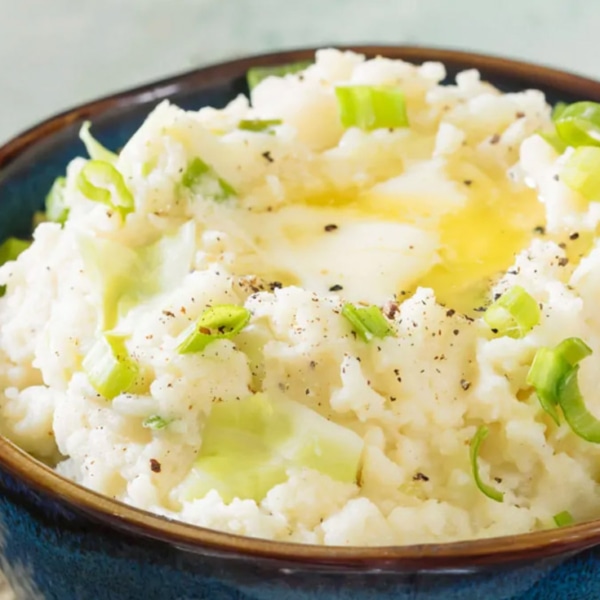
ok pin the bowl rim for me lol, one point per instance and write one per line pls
(470, 554)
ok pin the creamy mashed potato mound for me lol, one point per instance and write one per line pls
(309, 432)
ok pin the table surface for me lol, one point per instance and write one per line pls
(57, 53)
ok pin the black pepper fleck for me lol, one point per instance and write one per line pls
(420, 477)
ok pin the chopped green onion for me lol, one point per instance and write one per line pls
(256, 74)
(564, 518)
(110, 369)
(488, 490)
(56, 209)
(94, 148)
(573, 350)
(371, 107)
(514, 314)
(581, 172)
(203, 178)
(156, 422)
(10, 250)
(553, 139)
(543, 375)
(549, 369)
(367, 322)
(578, 124)
(259, 125)
(581, 421)
(558, 109)
(221, 322)
(101, 182)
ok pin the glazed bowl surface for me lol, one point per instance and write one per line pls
(58, 540)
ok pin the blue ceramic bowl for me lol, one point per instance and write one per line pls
(58, 540)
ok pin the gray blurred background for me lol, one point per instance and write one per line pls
(57, 53)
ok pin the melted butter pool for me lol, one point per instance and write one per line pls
(481, 240)
(451, 227)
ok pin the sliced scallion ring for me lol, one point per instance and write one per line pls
(550, 371)
(371, 107)
(110, 369)
(367, 322)
(564, 518)
(94, 148)
(578, 124)
(220, 322)
(56, 209)
(488, 490)
(544, 374)
(156, 422)
(579, 418)
(10, 249)
(581, 172)
(256, 74)
(259, 125)
(514, 314)
(199, 176)
(100, 181)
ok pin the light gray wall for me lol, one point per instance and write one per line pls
(57, 53)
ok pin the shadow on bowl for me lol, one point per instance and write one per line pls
(61, 541)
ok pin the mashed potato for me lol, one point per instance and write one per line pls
(296, 423)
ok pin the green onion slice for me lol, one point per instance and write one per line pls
(371, 107)
(558, 109)
(221, 322)
(56, 209)
(156, 422)
(201, 177)
(367, 322)
(564, 518)
(256, 74)
(100, 182)
(488, 490)
(110, 369)
(514, 314)
(94, 148)
(550, 369)
(551, 137)
(573, 350)
(581, 172)
(259, 125)
(545, 372)
(578, 124)
(581, 421)
(10, 250)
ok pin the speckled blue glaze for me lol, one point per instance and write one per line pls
(51, 550)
